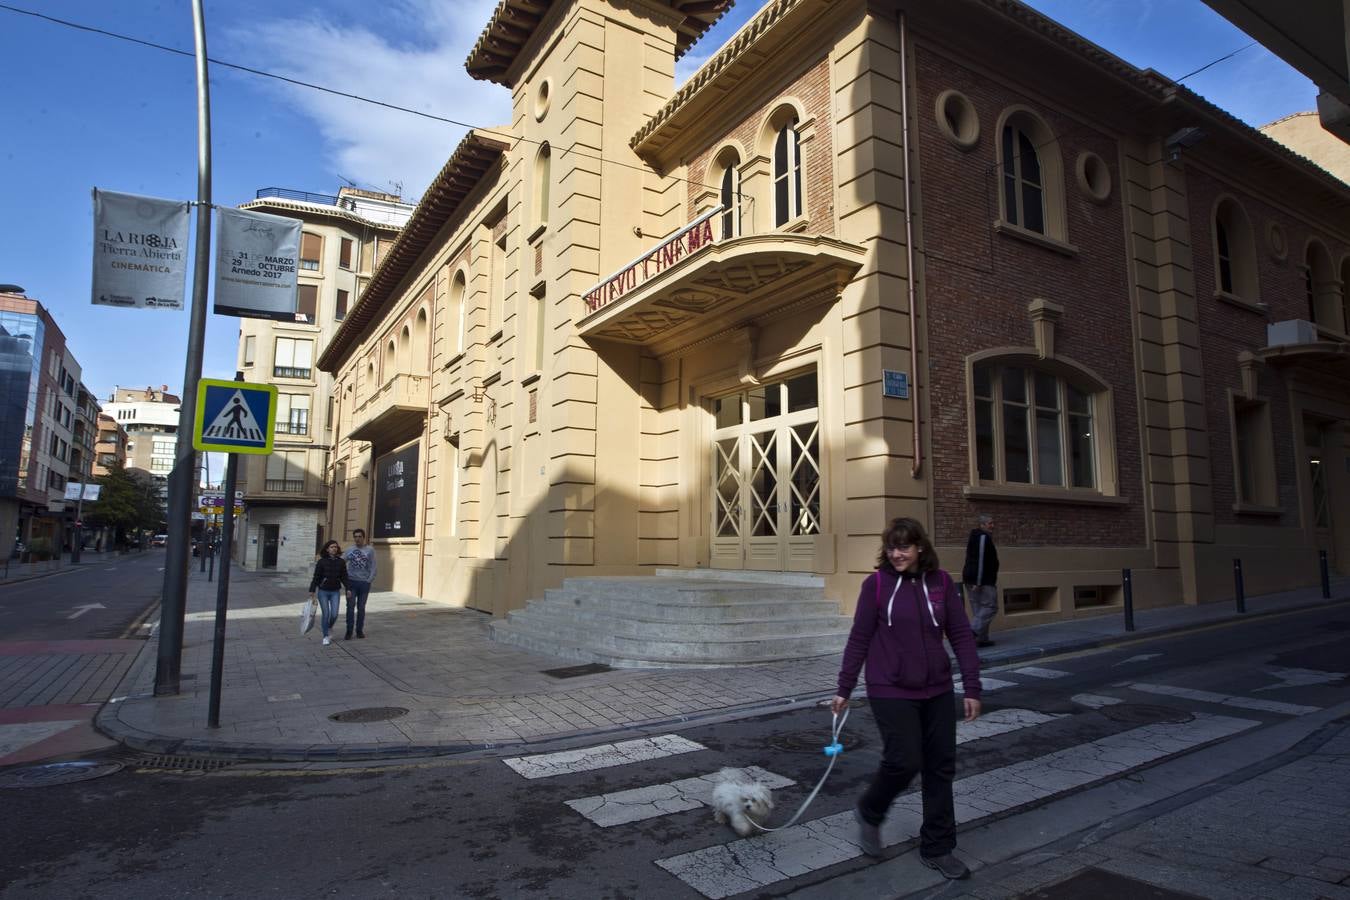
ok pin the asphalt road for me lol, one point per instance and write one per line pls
(476, 828)
(98, 599)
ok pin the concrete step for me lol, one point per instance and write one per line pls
(689, 591)
(746, 609)
(542, 615)
(797, 579)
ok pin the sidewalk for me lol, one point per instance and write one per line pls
(462, 692)
(13, 570)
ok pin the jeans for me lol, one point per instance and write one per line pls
(358, 592)
(329, 603)
(983, 607)
(918, 736)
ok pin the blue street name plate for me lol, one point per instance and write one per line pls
(895, 384)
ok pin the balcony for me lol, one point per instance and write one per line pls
(395, 410)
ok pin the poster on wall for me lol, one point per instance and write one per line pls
(396, 494)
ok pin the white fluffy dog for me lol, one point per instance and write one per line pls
(738, 799)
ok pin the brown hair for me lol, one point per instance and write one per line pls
(907, 531)
(330, 544)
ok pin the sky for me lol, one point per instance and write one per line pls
(80, 110)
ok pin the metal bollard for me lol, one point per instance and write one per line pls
(1237, 586)
(1326, 575)
(1128, 585)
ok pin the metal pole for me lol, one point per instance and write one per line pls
(1237, 586)
(1129, 598)
(1326, 574)
(79, 527)
(222, 602)
(206, 465)
(173, 599)
(209, 548)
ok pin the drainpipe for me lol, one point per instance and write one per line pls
(909, 251)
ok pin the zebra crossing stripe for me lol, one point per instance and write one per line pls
(587, 759)
(622, 807)
(987, 684)
(1275, 706)
(1095, 701)
(752, 863)
(1037, 672)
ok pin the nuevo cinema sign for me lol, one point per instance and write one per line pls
(686, 242)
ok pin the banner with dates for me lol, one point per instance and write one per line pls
(256, 260)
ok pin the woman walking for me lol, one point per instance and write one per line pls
(330, 579)
(904, 610)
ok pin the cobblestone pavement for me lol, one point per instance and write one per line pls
(464, 692)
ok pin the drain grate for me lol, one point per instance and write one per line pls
(1092, 884)
(810, 742)
(577, 671)
(369, 714)
(167, 763)
(1145, 714)
(52, 774)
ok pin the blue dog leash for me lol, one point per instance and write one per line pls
(832, 750)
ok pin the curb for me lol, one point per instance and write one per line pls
(107, 722)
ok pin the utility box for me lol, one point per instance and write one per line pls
(1291, 331)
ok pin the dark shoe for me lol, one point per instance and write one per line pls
(947, 865)
(984, 643)
(869, 836)
(348, 636)
(360, 634)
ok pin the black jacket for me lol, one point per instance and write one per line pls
(970, 573)
(329, 574)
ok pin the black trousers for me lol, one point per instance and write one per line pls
(919, 737)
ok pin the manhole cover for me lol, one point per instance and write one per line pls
(57, 773)
(577, 671)
(1093, 884)
(369, 714)
(1145, 714)
(811, 741)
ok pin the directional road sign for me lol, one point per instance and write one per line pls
(234, 416)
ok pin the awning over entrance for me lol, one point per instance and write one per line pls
(723, 285)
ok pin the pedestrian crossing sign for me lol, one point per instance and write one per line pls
(234, 416)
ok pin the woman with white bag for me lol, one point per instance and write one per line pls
(330, 581)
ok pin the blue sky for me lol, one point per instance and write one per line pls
(79, 110)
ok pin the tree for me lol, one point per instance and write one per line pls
(129, 500)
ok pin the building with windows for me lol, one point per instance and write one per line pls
(110, 448)
(343, 240)
(150, 419)
(870, 260)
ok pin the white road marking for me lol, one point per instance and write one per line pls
(586, 759)
(1299, 678)
(1000, 721)
(1275, 706)
(84, 608)
(1141, 657)
(1095, 701)
(622, 807)
(1036, 672)
(987, 684)
(282, 698)
(751, 863)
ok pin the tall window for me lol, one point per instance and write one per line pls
(457, 302)
(536, 348)
(731, 197)
(1253, 453)
(1032, 427)
(1023, 188)
(542, 177)
(311, 251)
(497, 285)
(1234, 252)
(787, 174)
(293, 413)
(250, 345)
(286, 471)
(345, 253)
(1324, 299)
(340, 310)
(294, 358)
(307, 302)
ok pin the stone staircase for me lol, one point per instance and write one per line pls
(680, 617)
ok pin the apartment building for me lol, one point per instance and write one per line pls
(870, 260)
(110, 449)
(149, 416)
(344, 239)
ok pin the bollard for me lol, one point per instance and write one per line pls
(211, 572)
(1129, 598)
(1326, 575)
(1237, 586)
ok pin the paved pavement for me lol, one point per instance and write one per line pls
(462, 692)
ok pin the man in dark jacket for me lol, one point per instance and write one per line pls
(980, 575)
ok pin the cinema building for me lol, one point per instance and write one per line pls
(872, 259)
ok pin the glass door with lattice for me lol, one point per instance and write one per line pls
(766, 477)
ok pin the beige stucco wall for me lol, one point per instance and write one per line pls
(1303, 133)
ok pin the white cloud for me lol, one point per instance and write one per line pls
(370, 144)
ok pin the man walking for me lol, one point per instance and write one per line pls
(980, 575)
(360, 573)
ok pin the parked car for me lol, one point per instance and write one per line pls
(159, 540)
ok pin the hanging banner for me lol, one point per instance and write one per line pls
(140, 251)
(256, 256)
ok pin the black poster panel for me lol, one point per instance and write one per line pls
(396, 494)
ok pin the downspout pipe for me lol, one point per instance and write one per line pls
(909, 251)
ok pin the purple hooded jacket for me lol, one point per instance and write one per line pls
(899, 633)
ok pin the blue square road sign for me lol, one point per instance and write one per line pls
(234, 416)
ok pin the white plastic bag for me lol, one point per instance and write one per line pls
(308, 613)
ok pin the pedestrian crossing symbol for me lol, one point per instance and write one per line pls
(234, 416)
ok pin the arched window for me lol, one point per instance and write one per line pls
(457, 289)
(730, 195)
(1031, 175)
(1324, 298)
(1235, 271)
(1035, 426)
(390, 361)
(420, 339)
(542, 178)
(405, 350)
(787, 174)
